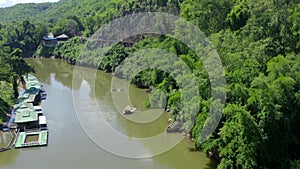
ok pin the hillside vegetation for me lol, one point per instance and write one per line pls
(12, 66)
(257, 41)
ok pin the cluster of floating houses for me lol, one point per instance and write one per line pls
(27, 119)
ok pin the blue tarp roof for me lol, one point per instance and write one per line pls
(47, 38)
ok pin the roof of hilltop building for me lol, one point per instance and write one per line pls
(50, 35)
(62, 36)
(25, 113)
(49, 38)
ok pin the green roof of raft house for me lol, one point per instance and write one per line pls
(25, 112)
(24, 108)
(31, 81)
(28, 96)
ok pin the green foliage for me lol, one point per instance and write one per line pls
(24, 37)
(238, 16)
(69, 50)
(43, 51)
(71, 27)
(22, 12)
(263, 81)
(237, 139)
(13, 42)
(113, 58)
(295, 164)
(257, 41)
(209, 15)
(6, 98)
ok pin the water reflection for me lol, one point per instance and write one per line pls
(6, 157)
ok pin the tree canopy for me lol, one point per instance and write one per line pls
(257, 41)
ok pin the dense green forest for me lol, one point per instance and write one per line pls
(257, 41)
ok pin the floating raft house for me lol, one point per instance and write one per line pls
(22, 139)
(30, 117)
(28, 114)
(33, 89)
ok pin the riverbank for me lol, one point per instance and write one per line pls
(7, 99)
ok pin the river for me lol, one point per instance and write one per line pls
(70, 147)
